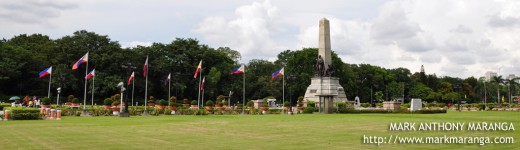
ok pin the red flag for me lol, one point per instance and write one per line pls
(202, 84)
(130, 79)
(198, 70)
(145, 68)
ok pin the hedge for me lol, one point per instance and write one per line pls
(25, 114)
(404, 111)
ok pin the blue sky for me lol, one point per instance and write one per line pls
(457, 38)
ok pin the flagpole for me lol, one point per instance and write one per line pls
(93, 79)
(49, 92)
(146, 87)
(133, 85)
(244, 91)
(200, 80)
(202, 99)
(169, 80)
(283, 87)
(85, 93)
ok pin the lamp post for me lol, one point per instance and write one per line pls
(123, 113)
(58, 99)
(129, 67)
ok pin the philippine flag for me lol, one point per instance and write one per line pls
(202, 85)
(91, 74)
(198, 70)
(145, 67)
(130, 79)
(277, 73)
(83, 59)
(239, 70)
(46, 72)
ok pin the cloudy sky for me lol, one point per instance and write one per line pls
(449, 37)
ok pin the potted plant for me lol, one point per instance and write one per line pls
(265, 106)
(300, 103)
(250, 104)
(186, 104)
(69, 99)
(162, 104)
(115, 107)
(286, 105)
(75, 102)
(151, 101)
(172, 103)
(107, 102)
(46, 102)
(194, 104)
(220, 100)
(209, 105)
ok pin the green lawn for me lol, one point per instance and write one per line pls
(316, 131)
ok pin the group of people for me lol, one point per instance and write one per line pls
(27, 102)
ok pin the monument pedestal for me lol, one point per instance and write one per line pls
(391, 105)
(325, 86)
(326, 104)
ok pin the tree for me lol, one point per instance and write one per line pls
(498, 80)
(420, 91)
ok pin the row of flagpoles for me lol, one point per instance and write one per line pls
(91, 74)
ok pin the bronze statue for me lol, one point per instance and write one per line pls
(319, 66)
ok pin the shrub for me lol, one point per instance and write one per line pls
(441, 104)
(25, 114)
(379, 104)
(75, 100)
(311, 103)
(107, 101)
(115, 103)
(405, 105)
(466, 105)
(286, 104)
(46, 101)
(365, 105)
(491, 105)
(481, 106)
(250, 104)
(151, 101)
(308, 110)
(341, 104)
(209, 103)
(194, 102)
(163, 102)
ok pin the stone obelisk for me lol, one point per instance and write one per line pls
(325, 89)
(324, 43)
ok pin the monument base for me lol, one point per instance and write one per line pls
(328, 104)
(391, 105)
(325, 86)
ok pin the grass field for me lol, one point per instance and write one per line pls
(308, 131)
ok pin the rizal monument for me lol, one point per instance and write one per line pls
(325, 88)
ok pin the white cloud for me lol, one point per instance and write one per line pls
(249, 32)
(135, 44)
